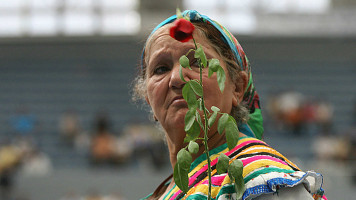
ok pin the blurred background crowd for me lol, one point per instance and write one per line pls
(68, 127)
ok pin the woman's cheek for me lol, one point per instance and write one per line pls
(150, 93)
(155, 93)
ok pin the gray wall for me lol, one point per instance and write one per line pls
(91, 74)
(50, 76)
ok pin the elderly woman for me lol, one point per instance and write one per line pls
(267, 174)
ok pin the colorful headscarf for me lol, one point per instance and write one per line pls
(254, 126)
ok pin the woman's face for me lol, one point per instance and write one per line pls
(164, 86)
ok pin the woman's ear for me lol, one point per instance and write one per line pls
(153, 115)
(240, 87)
(147, 100)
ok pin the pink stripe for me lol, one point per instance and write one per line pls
(213, 162)
(324, 197)
(175, 195)
(203, 169)
(215, 180)
(194, 177)
(250, 160)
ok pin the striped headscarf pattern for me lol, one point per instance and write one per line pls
(265, 171)
(254, 126)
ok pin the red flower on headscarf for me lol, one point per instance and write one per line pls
(182, 30)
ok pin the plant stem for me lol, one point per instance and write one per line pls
(196, 46)
(206, 146)
(205, 126)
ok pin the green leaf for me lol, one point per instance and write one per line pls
(207, 110)
(181, 74)
(186, 18)
(193, 133)
(231, 118)
(189, 96)
(184, 61)
(231, 136)
(199, 53)
(197, 88)
(232, 133)
(210, 73)
(240, 188)
(198, 118)
(193, 147)
(222, 122)
(181, 178)
(223, 163)
(235, 171)
(212, 119)
(189, 119)
(179, 13)
(221, 78)
(215, 109)
(200, 103)
(214, 65)
(184, 159)
(181, 169)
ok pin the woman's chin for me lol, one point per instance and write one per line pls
(176, 119)
(177, 124)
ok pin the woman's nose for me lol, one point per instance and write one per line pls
(176, 81)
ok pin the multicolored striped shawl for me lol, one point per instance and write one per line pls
(265, 171)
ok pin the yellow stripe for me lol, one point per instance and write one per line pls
(262, 163)
(267, 150)
(226, 180)
(246, 139)
(173, 191)
(247, 169)
(204, 188)
(198, 167)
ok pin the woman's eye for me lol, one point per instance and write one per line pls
(161, 70)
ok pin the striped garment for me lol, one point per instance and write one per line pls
(265, 171)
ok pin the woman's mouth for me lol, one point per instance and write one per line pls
(178, 101)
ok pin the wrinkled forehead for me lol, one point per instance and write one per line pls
(160, 32)
(157, 37)
(194, 16)
(164, 31)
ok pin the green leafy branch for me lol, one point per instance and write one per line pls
(193, 93)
